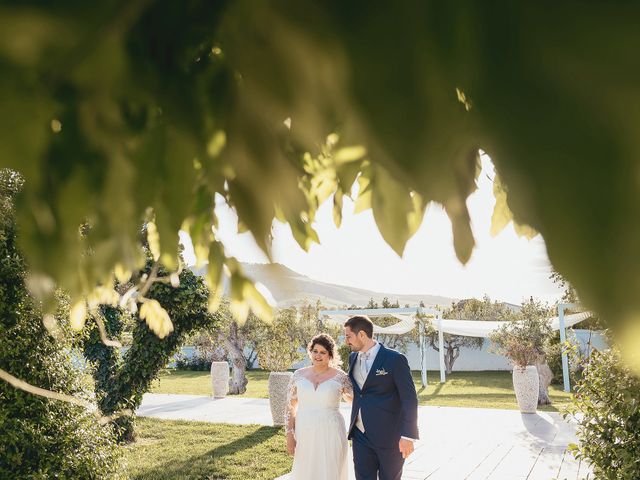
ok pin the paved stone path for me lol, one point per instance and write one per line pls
(457, 443)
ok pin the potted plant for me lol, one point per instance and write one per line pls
(523, 342)
(276, 353)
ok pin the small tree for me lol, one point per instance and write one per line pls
(523, 341)
(281, 346)
(469, 309)
(236, 338)
(528, 342)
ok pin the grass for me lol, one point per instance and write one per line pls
(199, 383)
(462, 389)
(170, 449)
(479, 390)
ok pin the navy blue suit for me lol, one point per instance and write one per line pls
(389, 408)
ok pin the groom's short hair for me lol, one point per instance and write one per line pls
(359, 323)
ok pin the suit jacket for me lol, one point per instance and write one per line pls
(388, 401)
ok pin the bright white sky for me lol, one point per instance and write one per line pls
(506, 267)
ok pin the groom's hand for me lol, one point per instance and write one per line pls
(406, 447)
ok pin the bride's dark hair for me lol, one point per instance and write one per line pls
(329, 345)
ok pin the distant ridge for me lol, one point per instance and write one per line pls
(292, 288)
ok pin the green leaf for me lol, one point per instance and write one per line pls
(364, 199)
(256, 301)
(349, 154)
(502, 214)
(337, 208)
(156, 317)
(392, 206)
(78, 315)
(154, 240)
(215, 274)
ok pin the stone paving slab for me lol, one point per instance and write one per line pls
(456, 443)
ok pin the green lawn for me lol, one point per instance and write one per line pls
(462, 389)
(479, 390)
(169, 449)
(199, 383)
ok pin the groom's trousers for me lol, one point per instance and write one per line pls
(371, 463)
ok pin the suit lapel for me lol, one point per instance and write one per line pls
(353, 380)
(377, 363)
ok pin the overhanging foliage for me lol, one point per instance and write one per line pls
(129, 111)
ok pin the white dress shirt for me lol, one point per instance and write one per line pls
(363, 367)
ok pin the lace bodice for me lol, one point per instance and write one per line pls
(304, 395)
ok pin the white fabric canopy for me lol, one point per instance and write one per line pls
(467, 328)
(406, 324)
(474, 328)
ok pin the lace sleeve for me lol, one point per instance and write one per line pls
(290, 408)
(346, 388)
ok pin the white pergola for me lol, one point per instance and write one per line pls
(408, 321)
(412, 316)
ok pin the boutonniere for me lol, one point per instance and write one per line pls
(382, 371)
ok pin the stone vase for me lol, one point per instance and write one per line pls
(278, 386)
(220, 379)
(526, 384)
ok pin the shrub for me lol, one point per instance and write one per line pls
(280, 347)
(553, 355)
(121, 382)
(344, 351)
(41, 438)
(199, 362)
(607, 408)
(522, 342)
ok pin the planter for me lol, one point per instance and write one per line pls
(278, 387)
(526, 385)
(220, 379)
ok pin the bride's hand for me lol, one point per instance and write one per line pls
(291, 444)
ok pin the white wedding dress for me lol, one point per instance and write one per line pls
(313, 414)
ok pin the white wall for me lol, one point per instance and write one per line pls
(469, 359)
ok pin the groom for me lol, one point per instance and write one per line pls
(384, 415)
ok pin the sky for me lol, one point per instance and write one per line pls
(506, 267)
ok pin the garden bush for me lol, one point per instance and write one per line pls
(122, 381)
(41, 438)
(199, 362)
(607, 408)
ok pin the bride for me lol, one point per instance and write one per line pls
(316, 432)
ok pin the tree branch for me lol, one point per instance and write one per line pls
(42, 392)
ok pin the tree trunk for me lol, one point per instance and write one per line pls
(546, 375)
(450, 357)
(448, 364)
(251, 358)
(234, 344)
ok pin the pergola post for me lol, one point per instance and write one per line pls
(423, 357)
(563, 338)
(441, 347)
